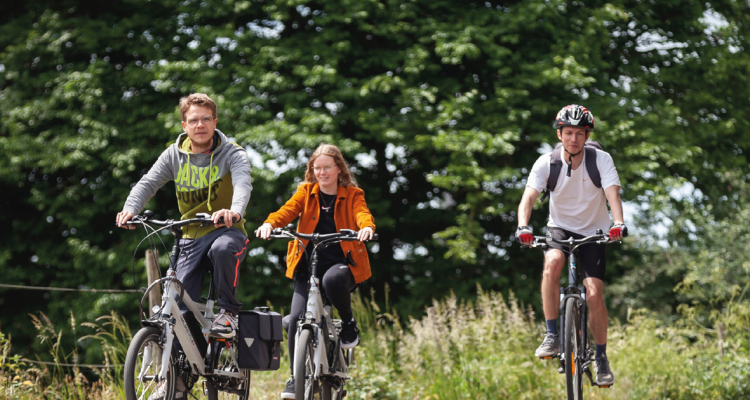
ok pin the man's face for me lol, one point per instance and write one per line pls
(199, 124)
(573, 138)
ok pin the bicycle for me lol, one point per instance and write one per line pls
(318, 356)
(153, 363)
(576, 353)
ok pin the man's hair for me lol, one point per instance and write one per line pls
(196, 99)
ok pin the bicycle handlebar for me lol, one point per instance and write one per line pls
(344, 234)
(542, 241)
(202, 218)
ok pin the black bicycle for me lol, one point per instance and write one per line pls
(576, 353)
(320, 364)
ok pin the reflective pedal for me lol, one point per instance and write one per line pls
(604, 386)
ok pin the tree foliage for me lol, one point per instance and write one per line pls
(441, 107)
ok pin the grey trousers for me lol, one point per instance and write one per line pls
(223, 250)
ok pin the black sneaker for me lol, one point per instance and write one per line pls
(288, 392)
(349, 334)
(224, 326)
(604, 375)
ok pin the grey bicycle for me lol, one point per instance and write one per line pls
(320, 364)
(154, 367)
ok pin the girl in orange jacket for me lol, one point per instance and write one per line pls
(326, 202)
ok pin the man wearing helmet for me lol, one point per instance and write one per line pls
(577, 209)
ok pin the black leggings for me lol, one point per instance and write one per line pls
(337, 283)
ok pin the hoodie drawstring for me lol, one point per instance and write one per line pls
(210, 173)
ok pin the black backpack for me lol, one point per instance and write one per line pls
(556, 164)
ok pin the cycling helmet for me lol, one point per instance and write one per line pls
(575, 115)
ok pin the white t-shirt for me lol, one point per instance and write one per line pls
(576, 204)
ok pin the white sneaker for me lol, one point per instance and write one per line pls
(224, 326)
(549, 347)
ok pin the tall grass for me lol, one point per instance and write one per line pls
(485, 350)
(458, 350)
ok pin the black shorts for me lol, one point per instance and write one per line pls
(592, 260)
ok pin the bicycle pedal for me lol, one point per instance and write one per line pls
(603, 386)
(548, 357)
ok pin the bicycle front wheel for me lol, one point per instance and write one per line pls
(305, 384)
(142, 366)
(573, 350)
(227, 388)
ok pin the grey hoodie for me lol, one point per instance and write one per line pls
(226, 167)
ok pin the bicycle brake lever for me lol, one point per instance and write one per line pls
(348, 232)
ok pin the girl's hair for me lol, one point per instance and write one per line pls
(345, 177)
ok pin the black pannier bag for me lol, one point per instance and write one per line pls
(260, 339)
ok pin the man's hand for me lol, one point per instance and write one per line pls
(122, 218)
(229, 218)
(264, 232)
(365, 234)
(525, 235)
(617, 232)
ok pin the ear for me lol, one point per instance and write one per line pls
(588, 134)
(559, 134)
(183, 126)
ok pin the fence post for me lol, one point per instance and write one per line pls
(152, 271)
(721, 339)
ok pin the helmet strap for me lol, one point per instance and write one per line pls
(570, 159)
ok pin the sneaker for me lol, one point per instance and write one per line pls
(161, 391)
(604, 375)
(550, 347)
(349, 334)
(288, 392)
(225, 325)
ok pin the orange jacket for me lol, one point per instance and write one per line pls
(351, 213)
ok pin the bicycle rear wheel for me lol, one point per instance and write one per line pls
(142, 366)
(225, 388)
(573, 350)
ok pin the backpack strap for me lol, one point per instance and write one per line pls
(591, 166)
(555, 166)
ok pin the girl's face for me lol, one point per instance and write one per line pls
(326, 171)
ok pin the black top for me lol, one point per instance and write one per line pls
(332, 254)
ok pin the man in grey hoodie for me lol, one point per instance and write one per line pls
(211, 175)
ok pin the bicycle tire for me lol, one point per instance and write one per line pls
(305, 386)
(145, 350)
(221, 358)
(573, 349)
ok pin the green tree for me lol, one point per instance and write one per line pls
(440, 106)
